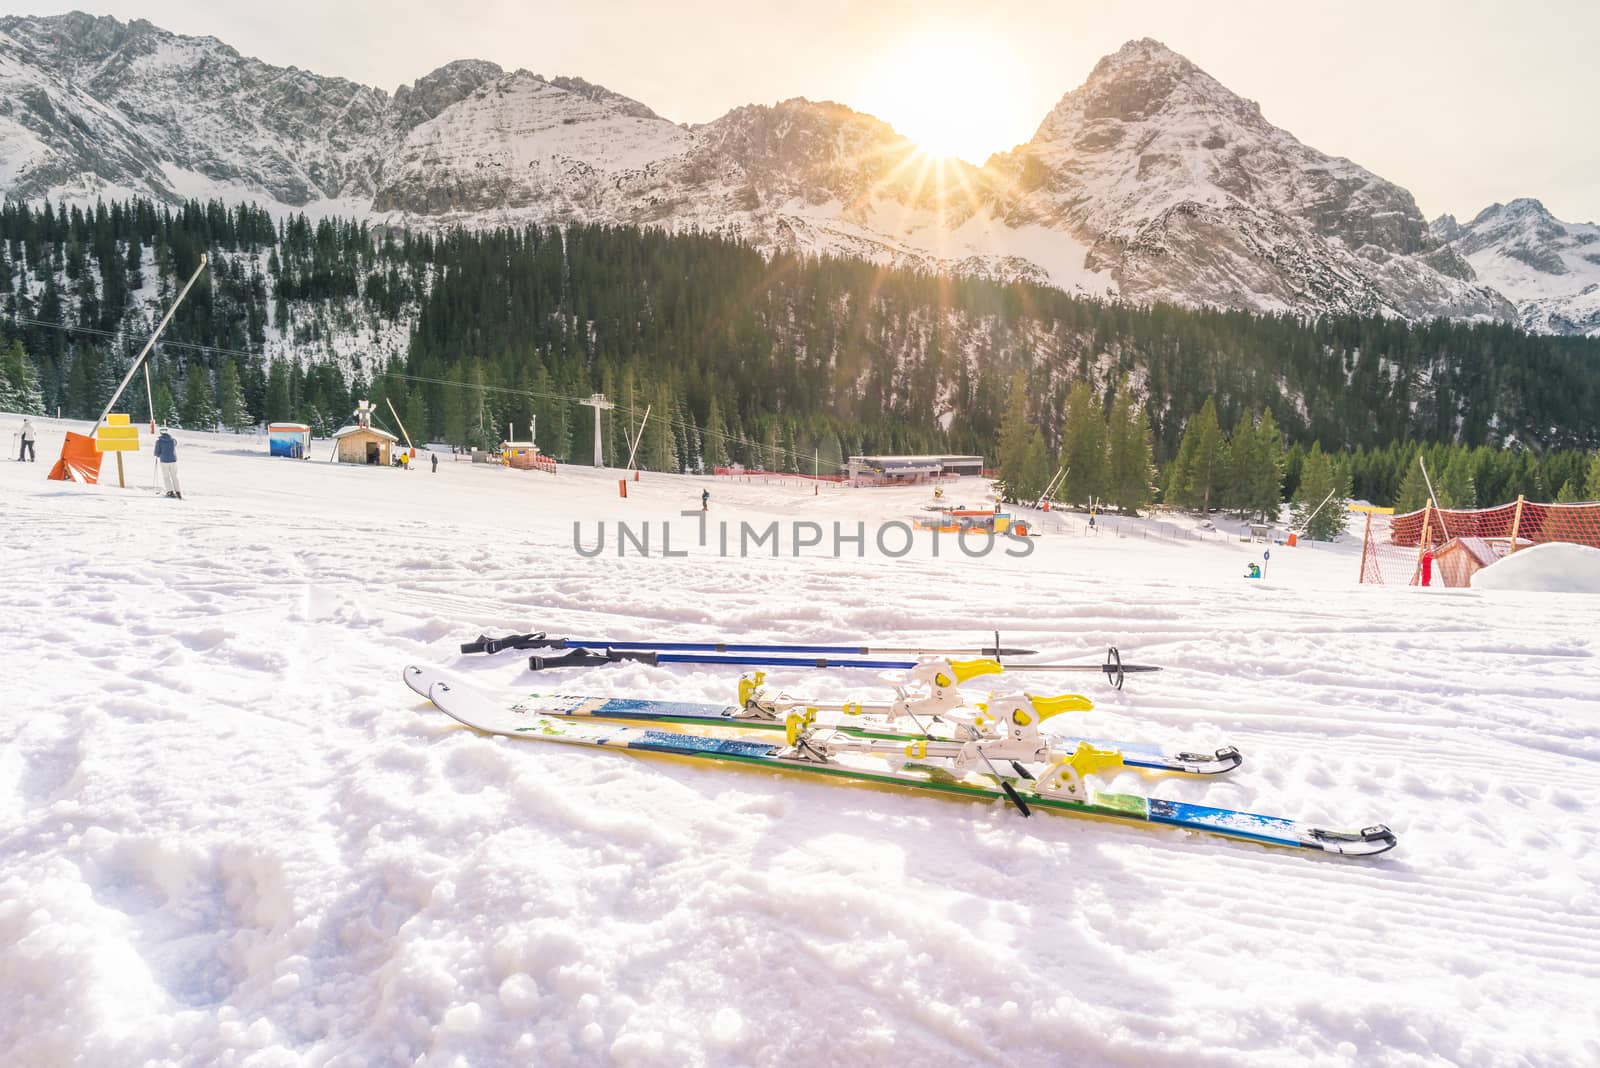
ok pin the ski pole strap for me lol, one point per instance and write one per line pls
(587, 658)
(486, 644)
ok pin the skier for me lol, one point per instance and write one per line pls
(1254, 571)
(26, 452)
(167, 461)
(705, 500)
(435, 458)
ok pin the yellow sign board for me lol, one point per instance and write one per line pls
(117, 435)
(1370, 509)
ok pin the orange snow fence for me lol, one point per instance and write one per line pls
(80, 460)
(1463, 541)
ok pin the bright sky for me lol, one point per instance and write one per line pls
(1464, 102)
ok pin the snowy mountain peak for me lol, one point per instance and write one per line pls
(1150, 181)
(1549, 267)
(1144, 80)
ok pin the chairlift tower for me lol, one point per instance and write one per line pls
(598, 402)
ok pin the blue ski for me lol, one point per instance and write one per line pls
(472, 709)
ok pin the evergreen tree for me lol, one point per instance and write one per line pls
(1413, 491)
(19, 383)
(1293, 461)
(1022, 460)
(1206, 458)
(166, 407)
(1317, 480)
(416, 415)
(1131, 470)
(1591, 483)
(1180, 470)
(277, 406)
(1569, 493)
(715, 436)
(199, 409)
(1266, 481)
(230, 398)
(1084, 447)
(1455, 482)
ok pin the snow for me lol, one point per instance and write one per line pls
(232, 835)
(1554, 567)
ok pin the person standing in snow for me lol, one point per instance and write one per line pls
(435, 458)
(705, 500)
(27, 443)
(167, 461)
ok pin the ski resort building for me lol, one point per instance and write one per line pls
(895, 469)
(363, 445)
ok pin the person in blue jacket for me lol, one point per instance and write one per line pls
(1254, 571)
(167, 461)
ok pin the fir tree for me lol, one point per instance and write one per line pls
(1455, 481)
(1317, 481)
(1591, 482)
(199, 409)
(276, 407)
(1022, 459)
(715, 436)
(1569, 493)
(416, 413)
(1084, 449)
(19, 383)
(1413, 491)
(1200, 478)
(230, 398)
(1266, 481)
(166, 407)
(1130, 468)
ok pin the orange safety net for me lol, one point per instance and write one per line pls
(80, 460)
(1445, 546)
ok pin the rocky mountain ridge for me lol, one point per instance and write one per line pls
(1151, 181)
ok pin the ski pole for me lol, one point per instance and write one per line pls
(486, 644)
(1114, 669)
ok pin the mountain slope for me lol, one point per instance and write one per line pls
(1189, 194)
(1550, 268)
(1149, 182)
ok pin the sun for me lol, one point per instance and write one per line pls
(954, 95)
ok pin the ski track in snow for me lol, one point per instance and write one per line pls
(229, 834)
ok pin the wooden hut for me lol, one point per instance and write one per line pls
(1458, 558)
(363, 445)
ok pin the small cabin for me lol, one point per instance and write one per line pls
(363, 445)
(1457, 559)
(523, 454)
(289, 439)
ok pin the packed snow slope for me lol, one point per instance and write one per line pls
(229, 834)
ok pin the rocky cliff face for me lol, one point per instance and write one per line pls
(1186, 193)
(1550, 268)
(1151, 181)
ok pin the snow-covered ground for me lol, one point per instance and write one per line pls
(230, 835)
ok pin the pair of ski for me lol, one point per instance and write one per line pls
(852, 742)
